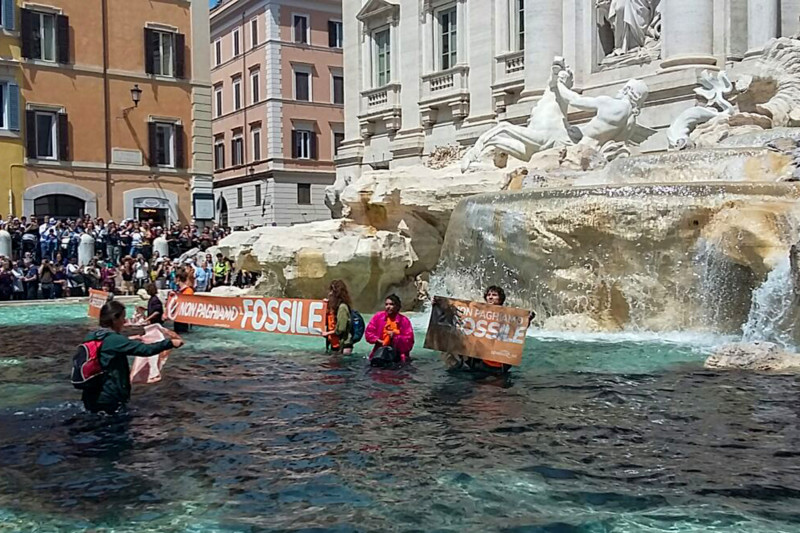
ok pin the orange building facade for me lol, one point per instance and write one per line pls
(277, 103)
(116, 109)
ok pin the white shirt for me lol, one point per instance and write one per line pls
(141, 271)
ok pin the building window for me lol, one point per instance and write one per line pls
(258, 194)
(237, 150)
(165, 144)
(46, 135)
(334, 34)
(302, 86)
(218, 100)
(300, 27)
(304, 194)
(219, 154)
(304, 144)
(255, 86)
(235, 43)
(448, 46)
(239, 198)
(163, 53)
(338, 89)
(255, 133)
(383, 72)
(43, 36)
(338, 139)
(218, 52)
(254, 33)
(237, 93)
(7, 14)
(9, 106)
(519, 26)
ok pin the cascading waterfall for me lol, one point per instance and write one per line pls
(772, 313)
(645, 258)
(721, 289)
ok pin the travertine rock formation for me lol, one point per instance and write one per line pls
(756, 356)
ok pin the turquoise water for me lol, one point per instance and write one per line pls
(258, 432)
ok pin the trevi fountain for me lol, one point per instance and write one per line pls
(576, 220)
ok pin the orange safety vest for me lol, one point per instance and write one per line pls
(390, 327)
(332, 338)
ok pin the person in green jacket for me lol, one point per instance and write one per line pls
(339, 334)
(114, 389)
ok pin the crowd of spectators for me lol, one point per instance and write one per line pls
(44, 257)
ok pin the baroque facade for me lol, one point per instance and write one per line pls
(278, 96)
(439, 72)
(112, 108)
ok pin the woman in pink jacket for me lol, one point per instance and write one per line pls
(390, 328)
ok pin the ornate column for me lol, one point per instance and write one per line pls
(687, 34)
(763, 19)
(544, 39)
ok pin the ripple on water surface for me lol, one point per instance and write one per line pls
(252, 432)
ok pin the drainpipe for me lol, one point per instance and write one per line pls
(245, 82)
(107, 108)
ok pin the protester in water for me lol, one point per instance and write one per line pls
(185, 279)
(494, 295)
(114, 389)
(339, 334)
(391, 329)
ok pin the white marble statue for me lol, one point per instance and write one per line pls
(713, 88)
(613, 127)
(633, 22)
(547, 127)
(615, 119)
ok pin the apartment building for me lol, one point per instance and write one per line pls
(278, 95)
(440, 72)
(12, 171)
(114, 108)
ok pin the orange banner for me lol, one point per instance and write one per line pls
(490, 332)
(97, 299)
(273, 315)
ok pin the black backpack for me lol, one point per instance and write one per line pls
(385, 357)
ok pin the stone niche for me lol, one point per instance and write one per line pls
(628, 32)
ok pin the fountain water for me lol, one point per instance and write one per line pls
(651, 257)
(773, 312)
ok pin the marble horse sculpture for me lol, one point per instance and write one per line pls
(613, 127)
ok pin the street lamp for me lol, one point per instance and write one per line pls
(136, 95)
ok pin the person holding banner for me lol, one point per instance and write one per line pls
(185, 278)
(339, 335)
(494, 295)
(390, 333)
(114, 389)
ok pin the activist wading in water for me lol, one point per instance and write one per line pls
(479, 326)
(107, 387)
(344, 326)
(391, 335)
(338, 332)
